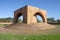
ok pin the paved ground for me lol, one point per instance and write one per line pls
(30, 29)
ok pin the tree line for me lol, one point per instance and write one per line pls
(9, 19)
(52, 20)
(49, 20)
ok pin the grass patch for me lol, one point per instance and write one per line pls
(57, 25)
(29, 37)
(3, 24)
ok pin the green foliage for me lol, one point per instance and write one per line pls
(29, 37)
(58, 20)
(3, 24)
(9, 19)
(38, 20)
(20, 21)
(51, 20)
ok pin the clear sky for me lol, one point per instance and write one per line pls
(7, 7)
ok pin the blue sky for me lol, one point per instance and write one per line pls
(7, 7)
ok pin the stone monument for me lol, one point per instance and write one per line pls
(29, 25)
(29, 14)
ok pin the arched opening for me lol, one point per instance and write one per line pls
(39, 17)
(20, 19)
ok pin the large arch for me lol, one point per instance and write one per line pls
(41, 15)
(16, 16)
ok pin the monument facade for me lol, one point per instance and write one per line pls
(29, 14)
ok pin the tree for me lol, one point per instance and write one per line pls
(9, 19)
(51, 20)
(20, 21)
(58, 20)
(38, 20)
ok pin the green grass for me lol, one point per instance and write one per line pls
(29, 37)
(57, 25)
(3, 24)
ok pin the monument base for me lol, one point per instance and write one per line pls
(38, 28)
(35, 26)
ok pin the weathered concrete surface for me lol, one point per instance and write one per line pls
(29, 14)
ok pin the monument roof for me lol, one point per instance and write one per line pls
(26, 6)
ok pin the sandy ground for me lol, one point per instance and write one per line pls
(5, 22)
(30, 29)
